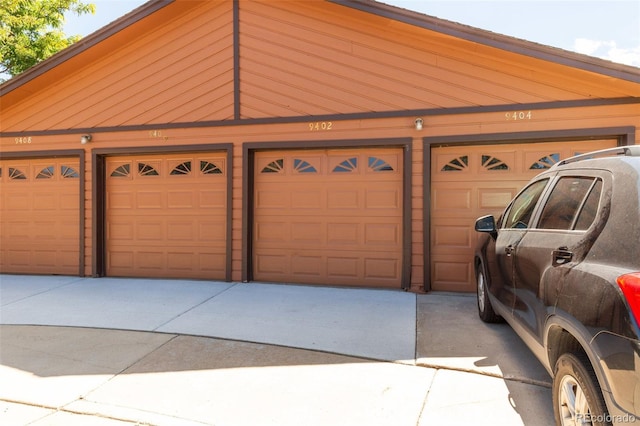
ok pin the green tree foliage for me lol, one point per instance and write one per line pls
(31, 31)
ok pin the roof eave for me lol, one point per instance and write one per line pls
(85, 43)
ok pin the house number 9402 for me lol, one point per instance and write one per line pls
(518, 115)
(320, 125)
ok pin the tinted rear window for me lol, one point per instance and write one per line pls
(573, 204)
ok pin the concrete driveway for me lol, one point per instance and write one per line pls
(169, 352)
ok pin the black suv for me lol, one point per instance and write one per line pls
(562, 267)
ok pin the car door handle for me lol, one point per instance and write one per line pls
(509, 250)
(562, 256)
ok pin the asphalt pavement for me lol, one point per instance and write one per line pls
(108, 351)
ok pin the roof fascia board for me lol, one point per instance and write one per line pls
(500, 41)
(84, 44)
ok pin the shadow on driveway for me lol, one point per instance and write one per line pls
(451, 337)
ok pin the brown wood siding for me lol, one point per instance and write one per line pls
(39, 208)
(296, 58)
(310, 58)
(181, 70)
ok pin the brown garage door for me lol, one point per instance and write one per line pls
(472, 181)
(328, 217)
(166, 216)
(39, 207)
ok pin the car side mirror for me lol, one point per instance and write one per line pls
(487, 224)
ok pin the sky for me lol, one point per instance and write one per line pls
(607, 29)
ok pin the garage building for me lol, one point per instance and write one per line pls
(330, 142)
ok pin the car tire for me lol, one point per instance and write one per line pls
(485, 309)
(576, 395)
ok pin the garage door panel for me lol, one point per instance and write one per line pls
(473, 181)
(68, 233)
(495, 199)
(181, 199)
(149, 200)
(68, 258)
(306, 199)
(381, 268)
(180, 261)
(213, 262)
(328, 217)
(16, 231)
(68, 202)
(212, 199)
(166, 216)
(383, 198)
(457, 198)
(451, 200)
(150, 230)
(341, 267)
(120, 231)
(307, 265)
(270, 232)
(383, 234)
(340, 233)
(46, 201)
(307, 233)
(18, 257)
(149, 260)
(345, 236)
(344, 199)
(120, 200)
(270, 199)
(453, 236)
(452, 275)
(322, 267)
(45, 258)
(272, 265)
(213, 233)
(181, 231)
(18, 202)
(121, 260)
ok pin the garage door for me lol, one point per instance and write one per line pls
(328, 217)
(40, 211)
(166, 216)
(472, 181)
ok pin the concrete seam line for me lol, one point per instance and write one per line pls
(195, 306)
(66, 410)
(524, 380)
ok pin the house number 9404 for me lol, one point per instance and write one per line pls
(320, 125)
(518, 115)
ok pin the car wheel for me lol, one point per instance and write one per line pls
(577, 398)
(485, 310)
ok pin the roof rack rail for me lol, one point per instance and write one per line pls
(627, 150)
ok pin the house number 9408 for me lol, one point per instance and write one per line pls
(23, 140)
(320, 125)
(518, 115)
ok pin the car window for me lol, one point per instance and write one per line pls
(519, 214)
(588, 213)
(572, 196)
